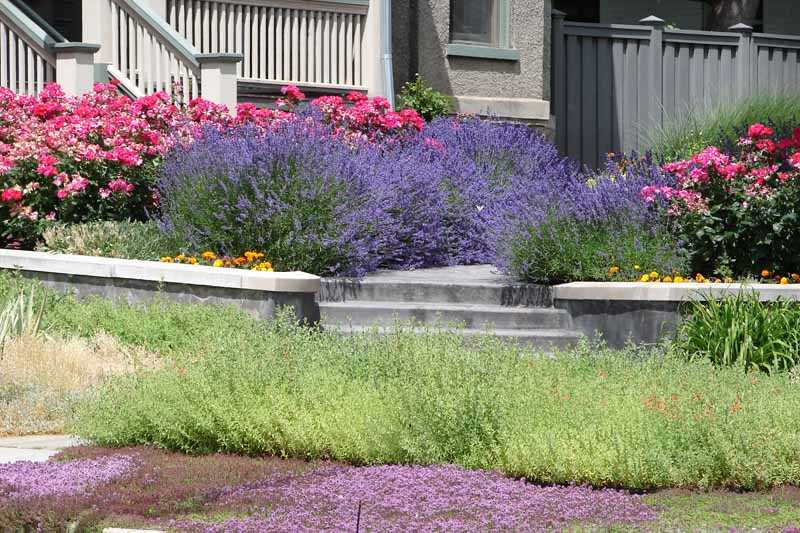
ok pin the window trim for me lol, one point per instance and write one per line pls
(503, 22)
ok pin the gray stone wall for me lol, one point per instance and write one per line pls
(506, 88)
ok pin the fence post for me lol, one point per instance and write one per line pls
(558, 97)
(744, 60)
(75, 66)
(218, 78)
(656, 113)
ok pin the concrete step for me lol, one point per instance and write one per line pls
(543, 339)
(387, 289)
(471, 316)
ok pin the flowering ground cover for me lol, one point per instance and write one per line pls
(146, 487)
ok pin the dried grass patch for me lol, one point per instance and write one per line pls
(42, 376)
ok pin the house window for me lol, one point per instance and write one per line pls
(475, 21)
(480, 29)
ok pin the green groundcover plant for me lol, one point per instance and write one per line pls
(123, 240)
(640, 418)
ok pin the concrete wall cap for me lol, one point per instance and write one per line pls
(105, 267)
(667, 292)
(75, 47)
(220, 58)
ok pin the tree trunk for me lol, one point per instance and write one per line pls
(726, 13)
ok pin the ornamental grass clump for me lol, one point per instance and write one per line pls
(742, 331)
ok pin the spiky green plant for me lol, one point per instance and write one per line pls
(742, 330)
(21, 314)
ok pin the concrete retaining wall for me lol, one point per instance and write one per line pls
(259, 293)
(644, 312)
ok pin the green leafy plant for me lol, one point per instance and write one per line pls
(688, 132)
(564, 250)
(123, 240)
(742, 331)
(425, 100)
(21, 314)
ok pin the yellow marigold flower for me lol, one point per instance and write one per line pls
(679, 279)
(728, 279)
(637, 267)
(253, 256)
(765, 273)
(653, 276)
(613, 270)
(667, 279)
(192, 261)
(699, 278)
(167, 259)
(180, 258)
(644, 278)
(784, 281)
(208, 255)
(219, 263)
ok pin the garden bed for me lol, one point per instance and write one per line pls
(260, 293)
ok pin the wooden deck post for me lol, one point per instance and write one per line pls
(219, 79)
(75, 66)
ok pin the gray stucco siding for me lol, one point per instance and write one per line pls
(519, 85)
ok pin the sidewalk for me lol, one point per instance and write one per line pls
(37, 448)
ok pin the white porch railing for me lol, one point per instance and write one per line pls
(146, 56)
(27, 60)
(315, 43)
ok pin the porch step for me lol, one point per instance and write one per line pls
(543, 339)
(464, 284)
(469, 315)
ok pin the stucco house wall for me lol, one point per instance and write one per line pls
(517, 88)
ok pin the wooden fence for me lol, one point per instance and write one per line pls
(613, 83)
(311, 43)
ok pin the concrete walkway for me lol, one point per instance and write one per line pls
(37, 448)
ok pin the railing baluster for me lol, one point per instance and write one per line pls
(4, 55)
(262, 43)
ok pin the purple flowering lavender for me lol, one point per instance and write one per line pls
(421, 498)
(24, 479)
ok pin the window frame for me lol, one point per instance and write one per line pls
(500, 30)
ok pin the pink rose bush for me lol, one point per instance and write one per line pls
(97, 156)
(738, 212)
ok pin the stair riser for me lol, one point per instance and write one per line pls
(341, 291)
(366, 316)
(544, 343)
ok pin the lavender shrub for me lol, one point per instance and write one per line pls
(459, 192)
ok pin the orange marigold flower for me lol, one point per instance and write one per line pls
(208, 255)
(613, 270)
(192, 260)
(699, 278)
(239, 261)
(765, 273)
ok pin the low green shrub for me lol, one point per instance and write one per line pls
(639, 418)
(423, 99)
(690, 132)
(123, 240)
(742, 331)
(564, 250)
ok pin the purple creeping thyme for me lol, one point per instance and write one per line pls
(26, 479)
(420, 498)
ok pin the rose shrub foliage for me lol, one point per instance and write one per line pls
(738, 213)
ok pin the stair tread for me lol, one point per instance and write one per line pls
(439, 306)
